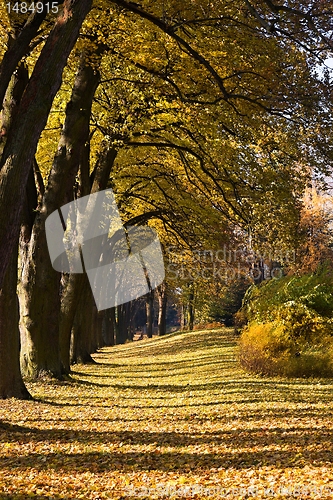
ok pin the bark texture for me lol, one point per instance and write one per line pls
(72, 291)
(121, 325)
(162, 307)
(81, 340)
(108, 326)
(71, 296)
(40, 284)
(11, 383)
(20, 148)
(150, 313)
(183, 317)
(17, 48)
(190, 311)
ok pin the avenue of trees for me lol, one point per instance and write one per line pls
(207, 119)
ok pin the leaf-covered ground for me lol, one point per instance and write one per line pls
(169, 418)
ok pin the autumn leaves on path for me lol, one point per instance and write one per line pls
(172, 417)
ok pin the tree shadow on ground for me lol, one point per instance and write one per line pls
(262, 445)
(213, 432)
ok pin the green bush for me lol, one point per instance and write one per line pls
(304, 325)
(320, 300)
(315, 291)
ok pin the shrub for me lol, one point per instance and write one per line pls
(302, 324)
(262, 346)
(311, 363)
(320, 300)
(315, 291)
(240, 321)
(290, 328)
(269, 349)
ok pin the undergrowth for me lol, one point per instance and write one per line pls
(287, 326)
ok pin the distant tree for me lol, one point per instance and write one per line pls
(315, 246)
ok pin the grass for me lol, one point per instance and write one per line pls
(175, 412)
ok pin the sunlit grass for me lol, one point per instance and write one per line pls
(171, 411)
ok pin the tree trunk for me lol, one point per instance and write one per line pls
(23, 137)
(108, 326)
(40, 291)
(183, 316)
(11, 102)
(150, 313)
(69, 303)
(122, 324)
(128, 321)
(99, 327)
(96, 331)
(117, 333)
(40, 354)
(75, 282)
(133, 310)
(258, 271)
(82, 329)
(190, 311)
(11, 383)
(162, 307)
(72, 350)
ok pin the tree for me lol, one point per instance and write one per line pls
(150, 313)
(210, 127)
(11, 383)
(40, 297)
(162, 294)
(314, 247)
(22, 138)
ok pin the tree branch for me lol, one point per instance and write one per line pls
(171, 32)
(17, 49)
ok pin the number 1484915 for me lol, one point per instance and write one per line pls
(25, 8)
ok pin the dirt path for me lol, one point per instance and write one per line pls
(173, 417)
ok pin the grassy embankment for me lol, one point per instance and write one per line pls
(174, 412)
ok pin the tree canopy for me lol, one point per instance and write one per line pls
(208, 121)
